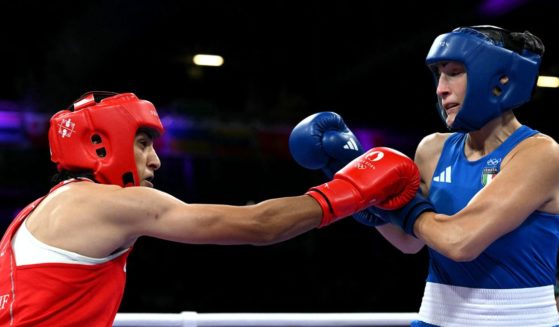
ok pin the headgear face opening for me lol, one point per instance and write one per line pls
(498, 78)
(97, 133)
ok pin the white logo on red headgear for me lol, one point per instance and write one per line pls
(66, 128)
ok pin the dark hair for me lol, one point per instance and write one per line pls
(152, 133)
(515, 41)
(66, 174)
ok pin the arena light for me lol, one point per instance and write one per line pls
(500, 7)
(548, 81)
(208, 60)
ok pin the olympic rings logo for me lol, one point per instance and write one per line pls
(493, 161)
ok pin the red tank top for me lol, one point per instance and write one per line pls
(57, 294)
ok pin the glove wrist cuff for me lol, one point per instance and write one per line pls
(337, 198)
(327, 213)
(411, 212)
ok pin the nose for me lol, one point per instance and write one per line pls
(153, 161)
(442, 87)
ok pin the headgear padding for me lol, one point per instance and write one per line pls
(498, 78)
(97, 134)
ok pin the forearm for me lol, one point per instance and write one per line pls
(280, 219)
(448, 236)
(399, 239)
(267, 222)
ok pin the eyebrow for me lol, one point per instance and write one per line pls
(146, 132)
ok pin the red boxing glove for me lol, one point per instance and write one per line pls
(380, 177)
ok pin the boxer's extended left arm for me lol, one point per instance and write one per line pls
(381, 176)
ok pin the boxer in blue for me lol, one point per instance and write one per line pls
(488, 209)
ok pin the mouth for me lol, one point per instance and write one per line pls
(451, 107)
(148, 181)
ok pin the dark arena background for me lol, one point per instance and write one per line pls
(228, 127)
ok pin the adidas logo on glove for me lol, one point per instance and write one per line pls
(351, 145)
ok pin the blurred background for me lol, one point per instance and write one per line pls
(228, 126)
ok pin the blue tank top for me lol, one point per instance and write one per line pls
(525, 257)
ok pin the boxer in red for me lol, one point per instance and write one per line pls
(63, 258)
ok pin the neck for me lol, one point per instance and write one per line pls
(491, 135)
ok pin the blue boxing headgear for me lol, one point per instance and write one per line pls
(502, 69)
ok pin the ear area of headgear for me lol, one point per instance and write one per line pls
(97, 133)
(525, 51)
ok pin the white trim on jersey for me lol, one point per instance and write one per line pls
(29, 250)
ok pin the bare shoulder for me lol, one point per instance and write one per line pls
(427, 155)
(77, 215)
(431, 144)
(430, 147)
(538, 149)
(545, 141)
(535, 159)
(113, 203)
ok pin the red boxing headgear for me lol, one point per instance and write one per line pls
(97, 133)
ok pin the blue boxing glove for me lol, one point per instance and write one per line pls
(323, 141)
(404, 217)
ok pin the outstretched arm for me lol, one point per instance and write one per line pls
(163, 216)
(128, 213)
